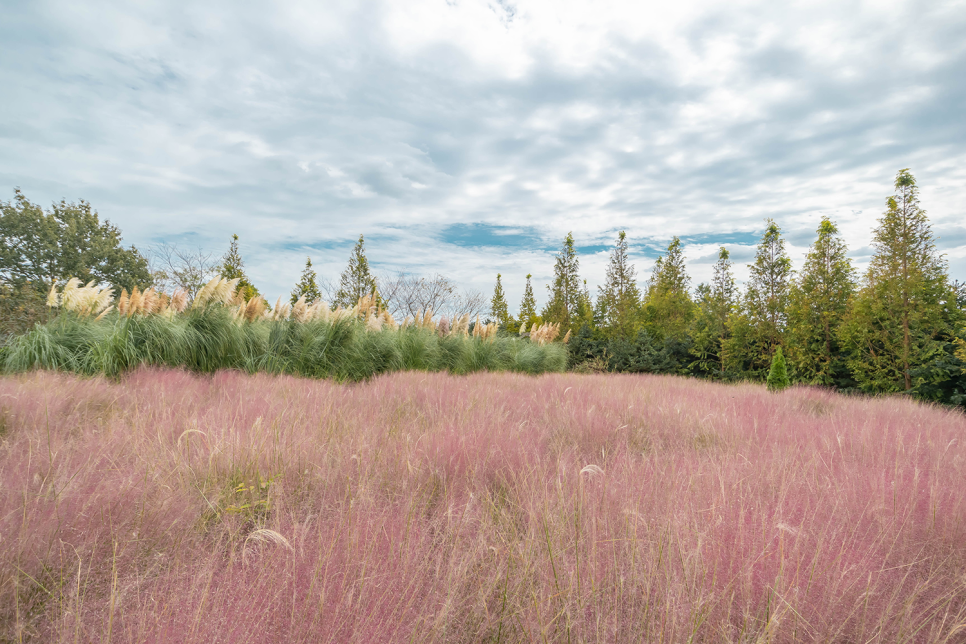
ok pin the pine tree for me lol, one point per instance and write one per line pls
(669, 307)
(767, 294)
(307, 285)
(528, 306)
(778, 373)
(900, 310)
(818, 303)
(565, 293)
(715, 305)
(233, 267)
(356, 281)
(498, 306)
(619, 300)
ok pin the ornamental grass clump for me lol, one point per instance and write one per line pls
(221, 329)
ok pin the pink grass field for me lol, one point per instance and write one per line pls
(423, 507)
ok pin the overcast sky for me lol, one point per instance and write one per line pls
(467, 137)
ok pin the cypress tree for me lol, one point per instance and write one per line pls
(233, 267)
(307, 285)
(528, 306)
(767, 295)
(900, 311)
(619, 299)
(669, 307)
(715, 304)
(356, 281)
(818, 303)
(778, 374)
(565, 293)
(498, 306)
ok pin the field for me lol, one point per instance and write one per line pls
(426, 507)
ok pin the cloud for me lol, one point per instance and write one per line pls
(468, 137)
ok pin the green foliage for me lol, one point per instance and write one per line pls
(767, 296)
(307, 286)
(566, 295)
(619, 299)
(356, 280)
(906, 303)
(710, 327)
(233, 267)
(817, 305)
(758, 325)
(498, 306)
(211, 338)
(778, 374)
(528, 306)
(20, 308)
(668, 307)
(39, 248)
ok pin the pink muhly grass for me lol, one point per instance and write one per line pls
(171, 507)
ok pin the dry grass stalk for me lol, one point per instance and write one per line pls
(545, 333)
(82, 300)
(217, 291)
(486, 332)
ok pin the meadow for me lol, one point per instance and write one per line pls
(170, 506)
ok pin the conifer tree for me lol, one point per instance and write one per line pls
(669, 307)
(619, 299)
(818, 303)
(307, 286)
(900, 310)
(356, 281)
(498, 306)
(778, 373)
(565, 293)
(233, 267)
(767, 296)
(528, 306)
(715, 304)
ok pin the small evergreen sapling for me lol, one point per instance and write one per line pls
(778, 374)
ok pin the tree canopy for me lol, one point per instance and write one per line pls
(40, 248)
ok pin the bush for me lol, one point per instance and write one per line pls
(778, 374)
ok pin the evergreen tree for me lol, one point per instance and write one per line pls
(585, 309)
(619, 300)
(778, 374)
(356, 281)
(498, 306)
(528, 306)
(669, 308)
(900, 312)
(818, 302)
(565, 293)
(307, 285)
(714, 307)
(232, 267)
(767, 295)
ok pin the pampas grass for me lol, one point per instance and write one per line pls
(223, 330)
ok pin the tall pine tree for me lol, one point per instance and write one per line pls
(715, 305)
(356, 280)
(900, 311)
(669, 308)
(619, 299)
(528, 306)
(759, 325)
(307, 286)
(498, 306)
(817, 305)
(565, 293)
(233, 267)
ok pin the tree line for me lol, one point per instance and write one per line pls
(899, 327)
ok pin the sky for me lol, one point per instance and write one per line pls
(468, 137)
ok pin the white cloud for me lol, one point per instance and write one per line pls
(300, 125)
